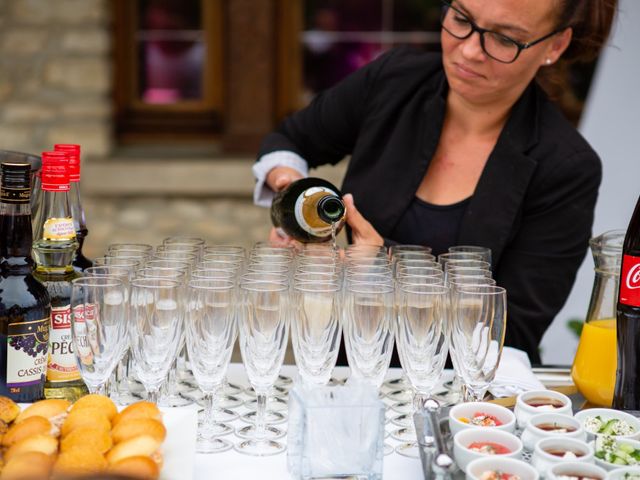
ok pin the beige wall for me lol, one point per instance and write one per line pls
(55, 75)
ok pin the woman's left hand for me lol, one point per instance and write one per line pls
(362, 232)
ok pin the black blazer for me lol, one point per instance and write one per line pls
(533, 205)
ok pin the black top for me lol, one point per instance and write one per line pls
(533, 204)
(424, 223)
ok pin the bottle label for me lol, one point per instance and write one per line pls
(630, 281)
(62, 365)
(27, 354)
(307, 214)
(59, 229)
(15, 196)
(85, 341)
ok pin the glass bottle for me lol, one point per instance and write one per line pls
(594, 366)
(80, 262)
(54, 248)
(627, 392)
(309, 210)
(24, 302)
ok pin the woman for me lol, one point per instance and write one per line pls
(465, 148)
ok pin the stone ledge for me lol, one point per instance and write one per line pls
(180, 177)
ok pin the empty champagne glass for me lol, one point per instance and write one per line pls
(422, 340)
(98, 327)
(154, 330)
(264, 328)
(315, 329)
(368, 330)
(484, 252)
(478, 329)
(210, 326)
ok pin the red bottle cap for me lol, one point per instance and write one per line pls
(74, 159)
(55, 171)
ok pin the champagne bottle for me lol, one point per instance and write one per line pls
(309, 210)
(80, 262)
(54, 248)
(24, 302)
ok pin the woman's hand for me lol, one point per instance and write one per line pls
(279, 178)
(362, 232)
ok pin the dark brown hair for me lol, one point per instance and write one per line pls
(591, 22)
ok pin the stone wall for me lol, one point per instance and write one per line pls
(55, 75)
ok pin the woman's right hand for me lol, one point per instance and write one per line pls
(278, 179)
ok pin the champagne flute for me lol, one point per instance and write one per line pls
(210, 334)
(154, 330)
(264, 328)
(98, 327)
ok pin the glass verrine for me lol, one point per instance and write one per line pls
(478, 327)
(264, 327)
(315, 329)
(155, 327)
(484, 252)
(98, 327)
(210, 327)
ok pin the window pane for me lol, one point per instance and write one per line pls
(171, 51)
(341, 36)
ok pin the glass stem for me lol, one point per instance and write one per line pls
(208, 421)
(418, 400)
(172, 380)
(100, 389)
(152, 395)
(261, 411)
(472, 395)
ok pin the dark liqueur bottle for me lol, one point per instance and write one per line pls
(24, 302)
(309, 210)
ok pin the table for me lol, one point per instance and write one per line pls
(232, 465)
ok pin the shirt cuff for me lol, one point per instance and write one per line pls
(262, 193)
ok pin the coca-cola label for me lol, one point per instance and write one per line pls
(630, 281)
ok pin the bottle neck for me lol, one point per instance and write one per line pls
(15, 238)
(77, 212)
(54, 233)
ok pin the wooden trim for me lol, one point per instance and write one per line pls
(289, 58)
(137, 119)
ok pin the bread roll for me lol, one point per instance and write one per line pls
(29, 465)
(35, 443)
(100, 402)
(87, 437)
(31, 426)
(80, 461)
(45, 408)
(136, 467)
(144, 445)
(9, 410)
(138, 410)
(127, 429)
(85, 417)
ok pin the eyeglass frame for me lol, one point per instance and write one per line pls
(475, 28)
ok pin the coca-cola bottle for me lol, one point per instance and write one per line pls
(627, 391)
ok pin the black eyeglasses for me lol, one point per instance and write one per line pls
(494, 44)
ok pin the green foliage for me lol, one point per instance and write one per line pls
(575, 325)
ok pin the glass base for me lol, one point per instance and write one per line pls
(388, 449)
(175, 400)
(216, 429)
(274, 391)
(400, 383)
(223, 401)
(401, 396)
(404, 420)
(402, 407)
(404, 434)
(270, 432)
(283, 380)
(408, 450)
(232, 389)
(259, 448)
(212, 445)
(270, 417)
(220, 415)
(126, 399)
(273, 403)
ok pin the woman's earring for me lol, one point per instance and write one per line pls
(548, 61)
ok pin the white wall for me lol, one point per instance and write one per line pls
(611, 124)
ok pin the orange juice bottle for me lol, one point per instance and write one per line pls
(594, 366)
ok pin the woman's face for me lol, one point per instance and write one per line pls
(479, 79)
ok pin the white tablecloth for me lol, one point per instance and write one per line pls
(232, 465)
